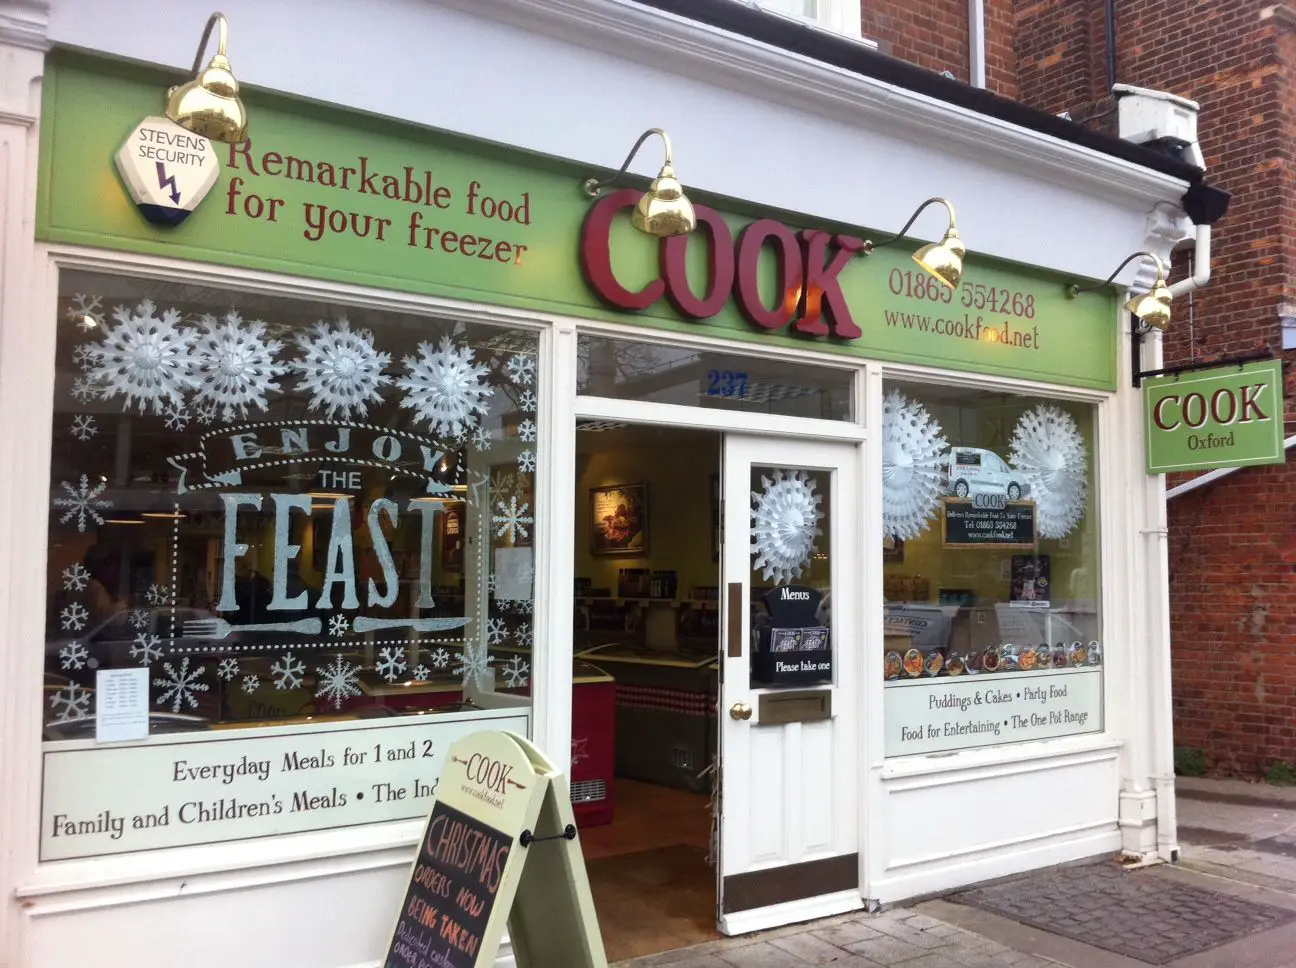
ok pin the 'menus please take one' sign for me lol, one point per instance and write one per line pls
(499, 849)
(1230, 416)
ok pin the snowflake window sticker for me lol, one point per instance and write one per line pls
(75, 578)
(287, 671)
(511, 519)
(338, 681)
(180, 686)
(445, 388)
(391, 663)
(913, 450)
(340, 369)
(73, 656)
(83, 502)
(71, 704)
(145, 358)
(1050, 454)
(785, 522)
(235, 364)
(83, 427)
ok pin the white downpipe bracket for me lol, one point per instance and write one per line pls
(976, 43)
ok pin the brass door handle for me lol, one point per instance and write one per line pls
(740, 710)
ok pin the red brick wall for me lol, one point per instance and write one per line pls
(934, 34)
(1233, 619)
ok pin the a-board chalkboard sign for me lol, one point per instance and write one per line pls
(452, 892)
(968, 526)
(794, 649)
(500, 849)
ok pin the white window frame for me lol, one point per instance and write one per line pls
(839, 16)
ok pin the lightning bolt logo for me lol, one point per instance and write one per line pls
(168, 181)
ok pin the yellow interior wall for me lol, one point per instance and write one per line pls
(678, 474)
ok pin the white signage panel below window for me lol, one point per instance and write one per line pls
(216, 787)
(938, 715)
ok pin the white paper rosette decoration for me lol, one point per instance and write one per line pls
(912, 454)
(785, 522)
(1049, 452)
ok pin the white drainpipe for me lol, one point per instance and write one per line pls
(1201, 264)
(976, 43)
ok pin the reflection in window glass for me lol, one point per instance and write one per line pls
(285, 508)
(990, 568)
(629, 370)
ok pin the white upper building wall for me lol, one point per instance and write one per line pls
(748, 121)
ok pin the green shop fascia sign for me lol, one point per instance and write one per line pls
(324, 193)
(1228, 416)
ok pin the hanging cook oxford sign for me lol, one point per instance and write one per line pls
(167, 169)
(1230, 416)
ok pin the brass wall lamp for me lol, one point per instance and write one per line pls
(664, 210)
(943, 259)
(1150, 310)
(209, 104)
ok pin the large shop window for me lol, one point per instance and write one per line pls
(990, 564)
(290, 560)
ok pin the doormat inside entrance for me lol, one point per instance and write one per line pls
(653, 900)
(1146, 914)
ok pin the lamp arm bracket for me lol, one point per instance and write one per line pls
(593, 186)
(1075, 290)
(216, 19)
(914, 217)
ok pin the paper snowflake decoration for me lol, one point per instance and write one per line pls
(70, 704)
(84, 390)
(251, 684)
(338, 625)
(439, 659)
(515, 673)
(74, 617)
(495, 631)
(511, 520)
(521, 370)
(73, 656)
(86, 311)
(337, 681)
(287, 671)
(139, 618)
(391, 663)
(492, 582)
(340, 369)
(480, 438)
(528, 401)
(75, 578)
(180, 686)
(175, 416)
(475, 665)
(522, 635)
(83, 356)
(158, 594)
(785, 522)
(147, 648)
(145, 358)
(205, 413)
(235, 364)
(913, 451)
(227, 669)
(527, 431)
(444, 387)
(82, 502)
(1049, 453)
(421, 673)
(83, 427)
(527, 462)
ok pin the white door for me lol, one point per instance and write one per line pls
(790, 639)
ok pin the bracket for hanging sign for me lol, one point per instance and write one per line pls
(1139, 329)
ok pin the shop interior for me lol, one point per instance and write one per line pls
(643, 699)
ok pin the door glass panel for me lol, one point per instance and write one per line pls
(791, 576)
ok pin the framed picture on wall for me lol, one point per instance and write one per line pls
(452, 527)
(619, 520)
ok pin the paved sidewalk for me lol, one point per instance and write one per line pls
(1238, 851)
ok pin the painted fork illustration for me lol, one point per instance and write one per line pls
(218, 628)
(363, 623)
